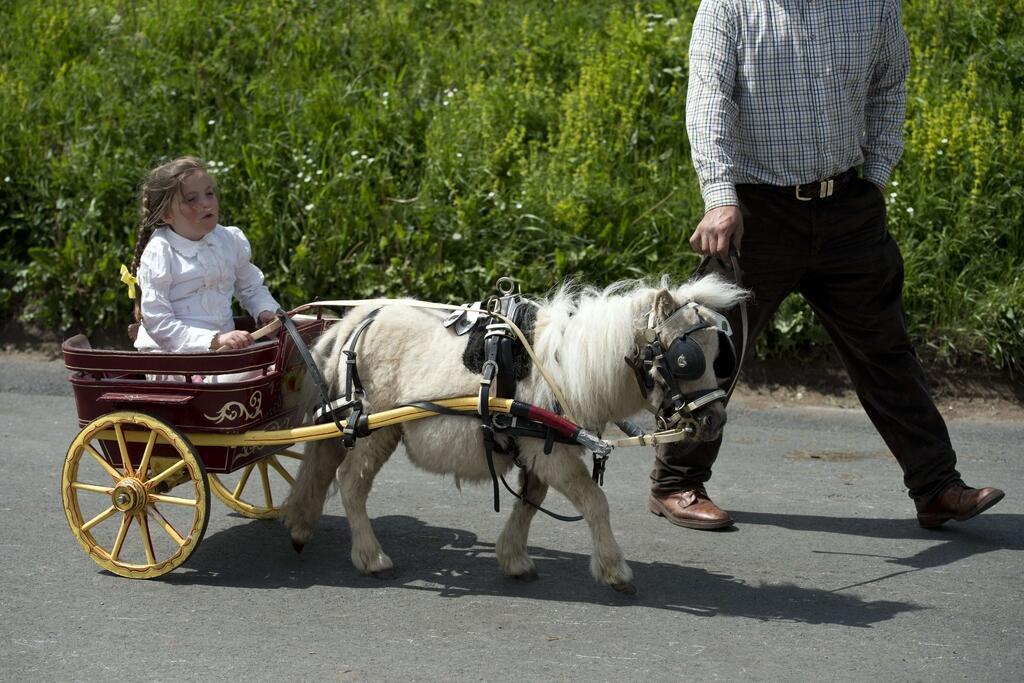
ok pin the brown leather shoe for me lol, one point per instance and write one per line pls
(958, 502)
(690, 508)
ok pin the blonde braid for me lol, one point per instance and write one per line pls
(158, 190)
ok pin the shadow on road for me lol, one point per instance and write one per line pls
(454, 563)
(953, 542)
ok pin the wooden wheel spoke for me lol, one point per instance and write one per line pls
(166, 474)
(172, 500)
(126, 522)
(265, 479)
(155, 458)
(114, 474)
(147, 541)
(291, 454)
(237, 493)
(99, 518)
(126, 460)
(79, 486)
(147, 454)
(167, 526)
(279, 468)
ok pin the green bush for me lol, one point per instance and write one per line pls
(425, 148)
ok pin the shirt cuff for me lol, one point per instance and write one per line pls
(719, 194)
(263, 303)
(876, 173)
(199, 340)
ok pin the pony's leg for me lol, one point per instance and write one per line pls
(355, 479)
(565, 472)
(305, 503)
(511, 548)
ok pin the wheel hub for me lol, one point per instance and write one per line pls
(129, 495)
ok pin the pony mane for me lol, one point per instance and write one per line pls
(713, 291)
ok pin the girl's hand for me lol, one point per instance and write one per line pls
(235, 339)
(266, 317)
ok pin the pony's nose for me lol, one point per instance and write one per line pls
(712, 420)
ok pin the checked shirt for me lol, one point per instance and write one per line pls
(787, 92)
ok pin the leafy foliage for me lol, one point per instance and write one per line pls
(426, 148)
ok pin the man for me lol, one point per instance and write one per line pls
(786, 101)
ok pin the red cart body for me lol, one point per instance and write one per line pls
(105, 381)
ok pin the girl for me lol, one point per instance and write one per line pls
(189, 266)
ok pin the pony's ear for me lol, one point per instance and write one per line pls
(664, 305)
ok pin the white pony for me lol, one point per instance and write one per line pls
(580, 337)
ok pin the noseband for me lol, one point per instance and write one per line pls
(683, 359)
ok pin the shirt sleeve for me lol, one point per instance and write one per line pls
(886, 106)
(711, 113)
(249, 288)
(158, 317)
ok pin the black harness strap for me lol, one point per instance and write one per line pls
(326, 408)
(352, 381)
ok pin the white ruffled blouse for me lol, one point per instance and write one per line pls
(187, 288)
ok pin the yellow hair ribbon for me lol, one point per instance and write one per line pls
(129, 279)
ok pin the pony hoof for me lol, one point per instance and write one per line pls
(298, 545)
(527, 577)
(384, 574)
(626, 588)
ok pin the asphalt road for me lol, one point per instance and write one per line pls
(826, 577)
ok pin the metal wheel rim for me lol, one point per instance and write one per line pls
(135, 496)
(258, 475)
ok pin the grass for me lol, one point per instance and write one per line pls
(426, 148)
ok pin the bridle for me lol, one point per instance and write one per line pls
(682, 360)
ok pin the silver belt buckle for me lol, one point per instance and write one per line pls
(825, 189)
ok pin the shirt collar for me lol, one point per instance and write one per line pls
(186, 247)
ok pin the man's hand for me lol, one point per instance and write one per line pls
(235, 339)
(721, 226)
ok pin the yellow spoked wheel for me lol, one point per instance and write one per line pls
(124, 515)
(257, 490)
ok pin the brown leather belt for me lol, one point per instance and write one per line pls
(822, 189)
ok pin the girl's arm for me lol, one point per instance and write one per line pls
(249, 288)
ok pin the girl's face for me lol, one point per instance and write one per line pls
(194, 211)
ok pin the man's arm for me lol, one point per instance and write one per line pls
(886, 106)
(711, 119)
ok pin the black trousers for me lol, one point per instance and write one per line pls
(838, 254)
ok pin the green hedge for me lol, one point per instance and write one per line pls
(425, 148)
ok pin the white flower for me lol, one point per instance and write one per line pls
(458, 154)
(211, 122)
(456, 236)
(895, 183)
(7, 179)
(945, 141)
(940, 152)
(518, 205)
(309, 207)
(910, 210)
